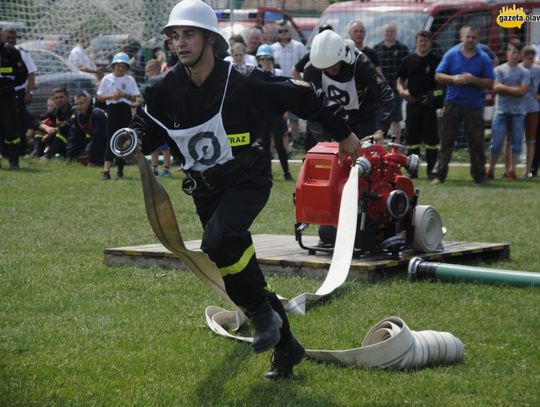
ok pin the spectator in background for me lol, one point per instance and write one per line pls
(254, 40)
(120, 92)
(416, 85)
(87, 134)
(287, 52)
(269, 35)
(171, 57)
(466, 71)
(13, 73)
(239, 57)
(24, 92)
(240, 51)
(391, 53)
(274, 126)
(533, 107)
(54, 127)
(153, 71)
(357, 33)
(80, 59)
(511, 84)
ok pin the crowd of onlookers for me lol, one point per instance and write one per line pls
(443, 97)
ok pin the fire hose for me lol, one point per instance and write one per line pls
(389, 344)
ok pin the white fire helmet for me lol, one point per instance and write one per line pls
(196, 13)
(328, 48)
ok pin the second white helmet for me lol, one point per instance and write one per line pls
(196, 13)
(328, 48)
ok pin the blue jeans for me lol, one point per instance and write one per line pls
(507, 123)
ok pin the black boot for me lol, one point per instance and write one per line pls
(284, 358)
(267, 324)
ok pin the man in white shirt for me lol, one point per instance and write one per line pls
(287, 52)
(80, 59)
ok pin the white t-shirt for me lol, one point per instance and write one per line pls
(30, 66)
(288, 56)
(110, 84)
(248, 58)
(78, 57)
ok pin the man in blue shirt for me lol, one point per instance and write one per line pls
(466, 71)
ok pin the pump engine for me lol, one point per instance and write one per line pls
(389, 219)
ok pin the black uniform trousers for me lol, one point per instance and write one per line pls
(118, 116)
(421, 125)
(275, 126)
(9, 140)
(228, 199)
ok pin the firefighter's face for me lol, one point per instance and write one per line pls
(82, 104)
(189, 43)
(60, 99)
(334, 69)
(9, 37)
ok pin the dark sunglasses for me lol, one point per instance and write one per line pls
(264, 59)
(283, 30)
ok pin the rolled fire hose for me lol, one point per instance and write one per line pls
(428, 229)
(389, 344)
(419, 269)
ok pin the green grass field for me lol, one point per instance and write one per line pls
(74, 332)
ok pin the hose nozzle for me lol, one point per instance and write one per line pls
(124, 142)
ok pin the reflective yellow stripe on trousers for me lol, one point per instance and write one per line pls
(240, 264)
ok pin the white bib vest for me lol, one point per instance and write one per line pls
(343, 93)
(205, 145)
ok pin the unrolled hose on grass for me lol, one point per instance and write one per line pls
(389, 344)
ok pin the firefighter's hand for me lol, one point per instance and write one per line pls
(350, 145)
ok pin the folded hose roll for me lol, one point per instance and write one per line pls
(390, 344)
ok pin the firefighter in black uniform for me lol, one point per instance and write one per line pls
(55, 126)
(348, 77)
(416, 84)
(87, 134)
(13, 73)
(209, 113)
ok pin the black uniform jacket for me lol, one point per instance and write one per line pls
(375, 96)
(179, 104)
(13, 71)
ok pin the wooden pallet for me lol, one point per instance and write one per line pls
(281, 254)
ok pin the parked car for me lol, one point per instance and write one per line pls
(442, 18)
(58, 44)
(54, 72)
(241, 20)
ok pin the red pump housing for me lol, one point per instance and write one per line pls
(320, 184)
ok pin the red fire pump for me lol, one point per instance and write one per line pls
(387, 200)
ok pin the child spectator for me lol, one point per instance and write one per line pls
(511, 85)
(275, 125)
(119, 91)
(533, 107)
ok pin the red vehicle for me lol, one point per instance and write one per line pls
(241, 20)
(442, 18)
